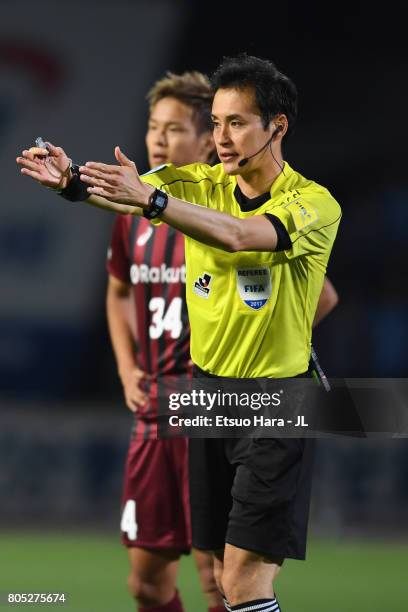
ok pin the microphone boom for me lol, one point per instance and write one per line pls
(243, 162)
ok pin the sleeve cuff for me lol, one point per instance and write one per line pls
(284, 242)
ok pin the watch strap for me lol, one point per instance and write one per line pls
(158, 201)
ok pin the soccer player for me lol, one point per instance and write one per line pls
(147, 262)
(252, 212)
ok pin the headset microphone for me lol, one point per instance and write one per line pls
(245, 160)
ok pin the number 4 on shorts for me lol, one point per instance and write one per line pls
(128, 523)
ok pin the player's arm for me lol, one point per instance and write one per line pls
(118, 309)
(120, 190)
(51, 168)
(221, 230)
(122, 184)
(327, 301)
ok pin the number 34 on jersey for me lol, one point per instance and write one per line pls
(165, 320)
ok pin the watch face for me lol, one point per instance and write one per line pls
(158, 202)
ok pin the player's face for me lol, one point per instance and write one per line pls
(172, 136)
(238, 130)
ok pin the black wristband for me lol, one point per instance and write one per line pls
(157, 204)
(76, 190)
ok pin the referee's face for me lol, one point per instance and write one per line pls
(238, 130)
(172, 137)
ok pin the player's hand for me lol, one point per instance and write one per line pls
(132, 380)
(120, 183)
(49, 167)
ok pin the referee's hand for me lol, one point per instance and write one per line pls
(117, 183)
(49, 167)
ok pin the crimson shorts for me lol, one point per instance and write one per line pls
(155, 503)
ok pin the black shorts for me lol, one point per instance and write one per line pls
(251, 493)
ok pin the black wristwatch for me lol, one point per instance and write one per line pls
(157, 204)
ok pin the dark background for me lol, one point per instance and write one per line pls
(350, 64)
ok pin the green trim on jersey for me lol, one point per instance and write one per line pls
(251, 313)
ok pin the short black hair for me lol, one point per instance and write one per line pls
(275, 93)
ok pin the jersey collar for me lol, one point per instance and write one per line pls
(247, 204)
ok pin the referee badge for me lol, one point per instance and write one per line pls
(254, 286)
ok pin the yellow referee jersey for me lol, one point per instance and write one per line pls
(251, 313)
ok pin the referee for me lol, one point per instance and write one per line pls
(257, 217)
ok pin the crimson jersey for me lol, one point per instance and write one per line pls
(151, 259)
